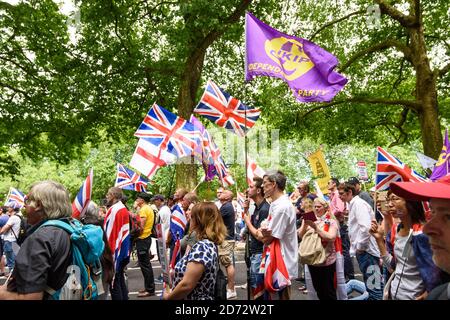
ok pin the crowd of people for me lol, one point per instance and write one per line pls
(402, 253)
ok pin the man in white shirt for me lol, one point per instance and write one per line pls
(281, 224)
(10, 232)
(361, 243)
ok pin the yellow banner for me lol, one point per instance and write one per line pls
(320, 170)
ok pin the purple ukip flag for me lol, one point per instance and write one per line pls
(306, 67)
(441, 168)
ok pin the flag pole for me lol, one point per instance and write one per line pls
(7, 197)
(201, 180)
(247, 240)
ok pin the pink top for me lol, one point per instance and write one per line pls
(336, 204)
(330, 248)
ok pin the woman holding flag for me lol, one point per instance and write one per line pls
(195, 273)
(415, 273)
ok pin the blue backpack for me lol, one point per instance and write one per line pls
(85, 272)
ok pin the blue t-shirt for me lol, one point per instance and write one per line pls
(3, 220)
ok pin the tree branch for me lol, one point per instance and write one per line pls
(413, 105)
(405, 20)
(444, 70)
(334, 22)
(390, 43)
(5, 85)
(214, 34)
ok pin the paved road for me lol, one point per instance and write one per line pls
(136, 280)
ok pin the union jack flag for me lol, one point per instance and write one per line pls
(226, 111)
(81, 201)
(390, 169)
(168, 132)
(129, 180)
(220, 168)
(178, 223)
(15, 199)
(209, 154)
(117, 230)
(272, 265)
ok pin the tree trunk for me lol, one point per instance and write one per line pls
(426, 95)
(187, 172)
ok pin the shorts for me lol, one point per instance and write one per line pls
(226, 251)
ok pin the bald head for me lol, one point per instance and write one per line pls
(225, 196)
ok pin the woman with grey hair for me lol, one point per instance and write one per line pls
(92, 216)
(42, 262)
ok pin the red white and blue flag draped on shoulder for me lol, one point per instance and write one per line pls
(169, 132)
(81, 201)
(442, 167)
(127, 179)
(226, 111)
(339, 276)
(15, 198)
(209, 155)
(117, 230)
(306, 67)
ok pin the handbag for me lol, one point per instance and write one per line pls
(220, 288)
(311, 250)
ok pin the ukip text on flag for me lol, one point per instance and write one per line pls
(320, 170)
(441, 169)
(168, 132)
(127, 179)
(81, 201)
(225, 110)
(306, 67)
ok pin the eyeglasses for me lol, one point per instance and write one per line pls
(394, 198)
(26, 200)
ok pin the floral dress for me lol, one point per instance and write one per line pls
(204, 252)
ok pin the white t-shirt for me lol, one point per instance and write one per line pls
(14, 222)
(283, 228)
(164, 216)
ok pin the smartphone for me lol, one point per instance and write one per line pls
(310, 216)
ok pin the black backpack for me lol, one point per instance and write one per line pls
(20, 238)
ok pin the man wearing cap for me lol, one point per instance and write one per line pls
(164, 211)
(438, 227)
(143, 244)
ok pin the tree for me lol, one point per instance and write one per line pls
(403, 78)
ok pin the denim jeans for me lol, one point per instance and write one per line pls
(8, 248)
(358, 286)
(255, 262)
(370, 268)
